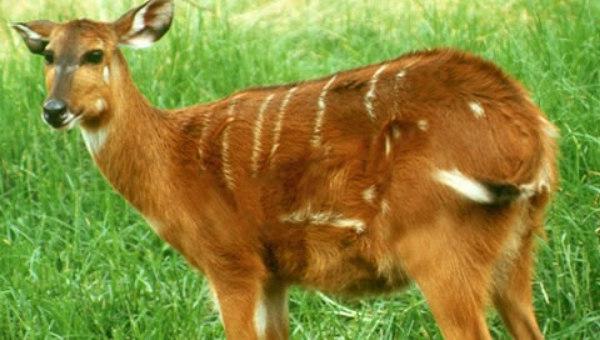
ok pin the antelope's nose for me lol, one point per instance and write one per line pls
(54, 112)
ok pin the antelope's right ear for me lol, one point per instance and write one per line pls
(142, 26)
(36, 34)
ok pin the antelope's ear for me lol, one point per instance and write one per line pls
(36, 34)
(142, 26)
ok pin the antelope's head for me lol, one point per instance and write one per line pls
(79, 55)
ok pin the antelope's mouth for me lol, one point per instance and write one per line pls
(64, 121)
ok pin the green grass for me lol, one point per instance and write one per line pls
(77, 262)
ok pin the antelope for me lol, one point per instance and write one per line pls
(433, 168)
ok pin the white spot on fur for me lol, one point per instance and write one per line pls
(464, 185)
(106, 74)
(477, 109)
(100, 105)
(279, 123)
(256, 146)
(94, 140)
(396, 132)
(260, 319)
(401, 74)
(369, 194)
(324, 218)
(423, 125)
(316, 140)
(388, 145)
(370, 96)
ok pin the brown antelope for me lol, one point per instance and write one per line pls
(434, 167)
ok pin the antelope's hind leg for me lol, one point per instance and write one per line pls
(453, 270)
(512, 293)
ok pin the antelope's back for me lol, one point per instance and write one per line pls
(333, 143)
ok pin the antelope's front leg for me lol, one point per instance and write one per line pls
(251, 306)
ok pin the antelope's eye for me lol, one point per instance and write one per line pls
(93, 57)
(49, 57)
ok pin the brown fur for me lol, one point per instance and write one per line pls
(169, 165)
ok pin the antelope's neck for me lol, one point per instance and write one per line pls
(131, 146)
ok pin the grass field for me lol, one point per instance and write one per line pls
(77, 262)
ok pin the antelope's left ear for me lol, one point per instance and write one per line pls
(142, 26)
(35, 34)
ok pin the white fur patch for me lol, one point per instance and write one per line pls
(477, 109)
(100, 105)
(401, 74)
(464, 185)
(369, 194)
(423, 125)
(388, 146)
(94, 140)
(257, 145)
(321, 104)
(106, 74)
(260, 319)
(370, 96)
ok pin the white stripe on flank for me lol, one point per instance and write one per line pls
(464, 185)
(370, 96)
(324, 218)
(316, 139)
(225, 160)
(279, 122)
(477, 109)
(256, 146)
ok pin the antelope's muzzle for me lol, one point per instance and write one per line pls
(55, 112)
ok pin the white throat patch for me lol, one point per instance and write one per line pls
(94, 140)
